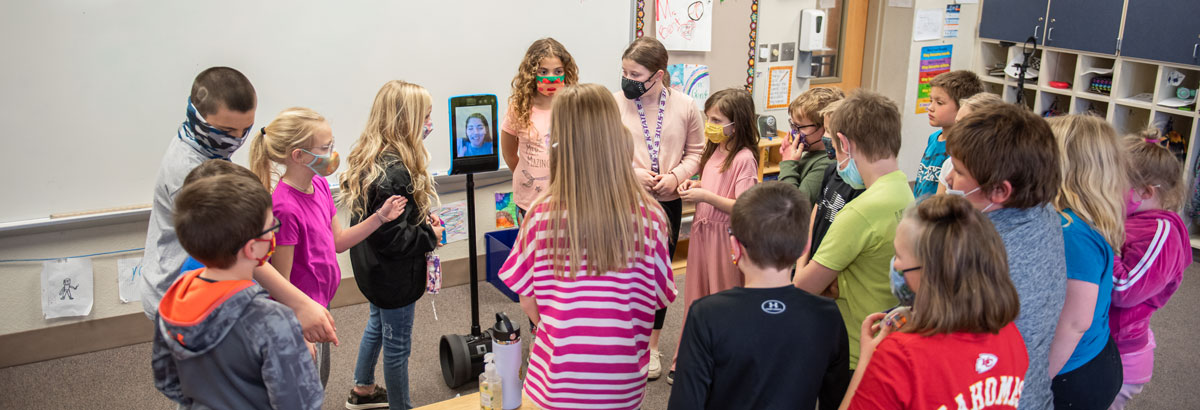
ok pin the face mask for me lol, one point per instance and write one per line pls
(548, 85)
(207, 139)
(428, 130)
(715, 133)
(633, 89)
(900, 288)
(961, 193)
(829, 147)
(1132, 201)
(850, 174)
(323, 165)
(263, 260)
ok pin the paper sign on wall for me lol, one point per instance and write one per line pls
(454, 216)
(934, 60)
(927, 25)
(950, 29)
(691, 79)
(129, 272)
(66, 288)
(779, 89)
(684, 25)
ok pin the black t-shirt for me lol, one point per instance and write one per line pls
(835, 194)
(776, 348)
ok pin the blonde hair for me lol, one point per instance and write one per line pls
(1093, 167)
(1151, 165)
(524, 84)
(812, 103)
(292, 129)
(394, 134)
(595, 206)
(980, 100)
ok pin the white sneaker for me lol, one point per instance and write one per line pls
(655, 365)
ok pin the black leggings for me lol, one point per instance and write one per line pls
(674, 211)
(1093, 385)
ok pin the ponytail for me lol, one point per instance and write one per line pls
(291, 129)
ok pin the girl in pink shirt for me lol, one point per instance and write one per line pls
(730, 167)
(525, 132)
(1150, 266)
(668, 139)
(590, 264)
(310, 235)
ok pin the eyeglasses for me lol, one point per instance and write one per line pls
(274, 229)
(327, 147)
(798, 128)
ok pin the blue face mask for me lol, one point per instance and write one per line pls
(900, 288)
(850, 174)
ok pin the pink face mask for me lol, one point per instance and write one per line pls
(1132, 201)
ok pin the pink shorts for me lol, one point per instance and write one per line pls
(1139, 365)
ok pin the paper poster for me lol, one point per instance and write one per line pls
(691, 79)
(454, 216)
(934, 60)
(506, 210)
(129, 272)
(927, 25)
(684, 25)
(779, 90)
(950, 28)
(66, 288)
(900, 3)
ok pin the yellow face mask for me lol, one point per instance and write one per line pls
(715, 133)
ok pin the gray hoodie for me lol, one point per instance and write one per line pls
(1038, 268)
(224, 345)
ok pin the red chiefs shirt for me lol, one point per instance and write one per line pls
(970, 371)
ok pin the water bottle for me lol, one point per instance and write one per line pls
(506, 345)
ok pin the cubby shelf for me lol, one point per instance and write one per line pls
(1140, 94)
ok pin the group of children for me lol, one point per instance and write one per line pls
(1022, 267)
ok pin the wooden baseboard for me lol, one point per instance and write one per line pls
(124, 330)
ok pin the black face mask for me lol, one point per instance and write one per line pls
(633, 89)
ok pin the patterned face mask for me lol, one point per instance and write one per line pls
(207, 139)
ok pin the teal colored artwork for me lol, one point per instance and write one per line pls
(506, 210)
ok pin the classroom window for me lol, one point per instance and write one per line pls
(827, 64)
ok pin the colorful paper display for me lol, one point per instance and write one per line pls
(934, 60)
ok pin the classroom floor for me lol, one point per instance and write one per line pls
(121, 378)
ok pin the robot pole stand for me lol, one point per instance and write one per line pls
(462, 355)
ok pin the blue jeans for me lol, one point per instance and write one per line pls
(391, 330)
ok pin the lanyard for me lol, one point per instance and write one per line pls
(652, 143)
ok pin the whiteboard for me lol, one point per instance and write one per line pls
(92, 91)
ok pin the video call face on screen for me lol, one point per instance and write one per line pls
(474, 131)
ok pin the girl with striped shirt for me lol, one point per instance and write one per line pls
(590, 275)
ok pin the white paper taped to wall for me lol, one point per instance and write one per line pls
(927, 25)
(129, 271)
(67, 288)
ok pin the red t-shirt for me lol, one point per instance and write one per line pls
(969, 371)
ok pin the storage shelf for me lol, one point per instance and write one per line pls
(1134, 103)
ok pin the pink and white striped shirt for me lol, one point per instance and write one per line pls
(591, 347)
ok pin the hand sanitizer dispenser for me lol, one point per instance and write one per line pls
(812, 30)
(813, 24)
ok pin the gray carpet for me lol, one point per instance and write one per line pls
(121, 379)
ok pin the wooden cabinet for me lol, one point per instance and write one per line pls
(1163, 30)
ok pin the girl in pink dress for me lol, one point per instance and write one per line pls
(728, 167)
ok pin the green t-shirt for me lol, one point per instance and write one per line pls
(859, 246)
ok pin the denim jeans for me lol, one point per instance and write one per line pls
(391, 330)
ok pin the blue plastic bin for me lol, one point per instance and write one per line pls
(498, 245)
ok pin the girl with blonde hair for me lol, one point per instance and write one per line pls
(1084, 362)
(310, 234)
(390, 160)
(591, 262)
(525, 132)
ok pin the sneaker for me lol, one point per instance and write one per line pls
(671, 377)
(376, 400)
(655, 365)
